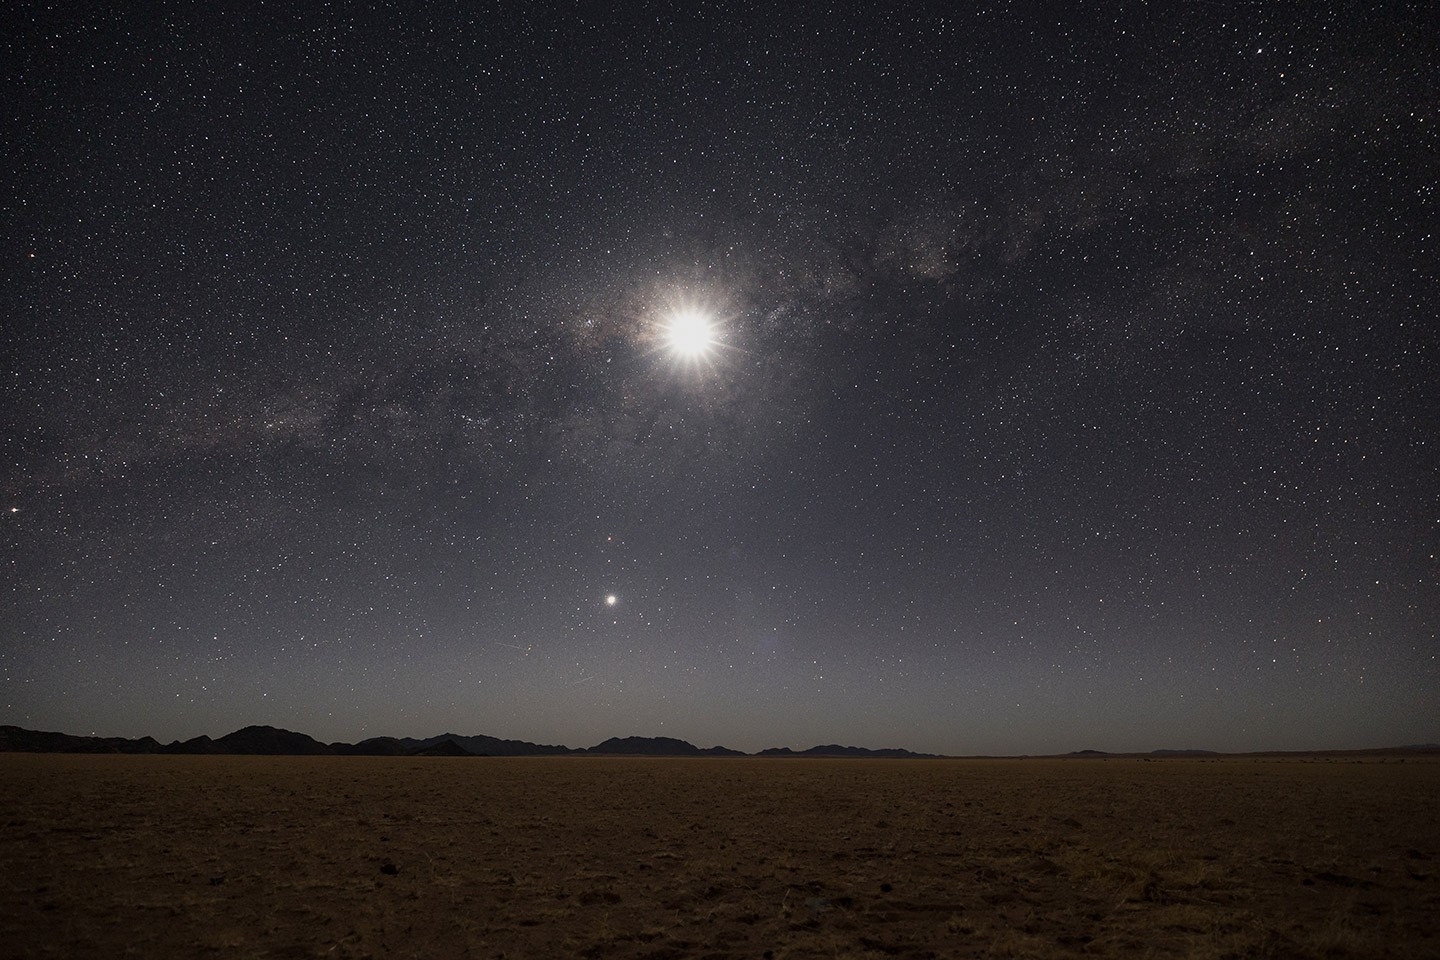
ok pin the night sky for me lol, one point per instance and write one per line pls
(974, 382)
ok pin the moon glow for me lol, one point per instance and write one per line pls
(690, 333)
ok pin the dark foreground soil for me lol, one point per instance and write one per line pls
(459, 857)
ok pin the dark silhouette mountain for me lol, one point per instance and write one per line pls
(647, 747)
(269, 741)
(1183, 753)
(722, 752)
(835, 750)
(477, 746)
(374, 747)
(272, 741)
(445, 748)
(20, 740)
(482, 746)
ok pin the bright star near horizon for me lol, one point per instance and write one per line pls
(690, 333)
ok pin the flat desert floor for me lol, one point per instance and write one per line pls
(104, 856)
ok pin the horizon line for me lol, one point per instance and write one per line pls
(692, 749)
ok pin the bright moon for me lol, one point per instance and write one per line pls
(690, 333)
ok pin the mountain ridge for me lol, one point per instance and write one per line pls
(262, 740)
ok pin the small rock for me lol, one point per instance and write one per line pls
(389, 868)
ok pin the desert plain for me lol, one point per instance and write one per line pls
(346, 857)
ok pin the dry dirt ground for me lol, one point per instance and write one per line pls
(591, 857)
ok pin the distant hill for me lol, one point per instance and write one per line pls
(659, 747)
(1183, 753)
(473, 746)
(270, 741)
(482, 746)
(273, 741)
(259, 740)
(835, 750)
(722, 752)
(445, 748)
(373, 747)
(20, 740)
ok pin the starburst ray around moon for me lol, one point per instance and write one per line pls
(690, 333)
